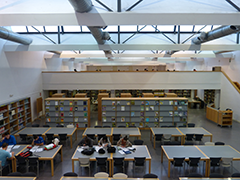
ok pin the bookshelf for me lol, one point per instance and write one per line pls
(182, 92)
(144, 112)
(225, 118)
(209, 96)
(66, 111)
(15, 115)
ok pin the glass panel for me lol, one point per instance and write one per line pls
(128, 28)
(111, 29)
(85, 29)
(19, 28)
(51, 28)
(206, 29)
(165, 28)
(71, 28)
(185, 28)
(148, 28)
(40, 28)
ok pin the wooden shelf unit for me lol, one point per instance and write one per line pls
(66, 111)
(182, 92)
(15, 115)
(209, 96)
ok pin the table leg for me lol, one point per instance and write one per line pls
(183, 139)
(210, 138)
(150, 135)
(169, 167)
(61, 155)
(76, 135)
(149, 166)
(52, 167)
(161, 155)
(71, 141)
(72, 165)
(14, 168)
(111, 139)
(207, 171)
(154, 142)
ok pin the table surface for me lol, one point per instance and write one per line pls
(183, 151)
(130, 131)
(220, 151)
(78, 154)
(33, 130)
(18, 150)
(17, 178)
(193, 130)
(173, 131)
(141, 151)
(58, 130)
(196, 178)
(107, 131)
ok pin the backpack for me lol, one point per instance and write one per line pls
(24, 155)
(88, 151)
(111, 149)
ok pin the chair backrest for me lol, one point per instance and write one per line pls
(219, 143)
(23, 137)
(101, 174)
(50, 136)
(132, 126)
(194, 175)
(198, 137)
(178, 161)
(189, 137)
(70, 126)
(35, 125)
(100, 136)
(164, 126)
(92, 136)
(118, 160)
(84, 161)
(150, 176)
(138, 142)
(121, 126)
(235, 175)
(71, 174)
(171, 126)
(188, 143)
(215, 175)
(0, 165)
(29, 174)
(106, 126)
(215, 161)
(158, 137)
(63, 136)
(97, 126)
(191, 125)
(15, 174)
(101, 160)
(116, 137)
(139, 161)
(120, 175)
(59, 125)
(175, 143)
(209, 143)
(167, 136)
(182, 126)
(194, 161)
(227, 160)
(45, 125)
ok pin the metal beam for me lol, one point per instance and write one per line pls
(106, 7)
(59, 38)
(44, 35)
(238, 34)
(179, 34)
(134, 34)
(234, 5)
(119, 35)
(165, 35)
(119, 6)
(129, 9)
(193, 35)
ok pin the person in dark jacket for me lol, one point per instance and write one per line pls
(86, 141)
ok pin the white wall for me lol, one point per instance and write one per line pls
(20, 74)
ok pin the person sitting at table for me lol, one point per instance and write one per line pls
(4, 155)
(124, 142)
(9, 139)
(104, 142)
(37, 140)
(86, 141)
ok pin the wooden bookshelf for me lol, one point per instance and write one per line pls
(15, 115)
(209, 96)
(126, 95)
(59, 95)
(147, 95)
(144, 112)
(225, 118)
(81, 95)
(170, 95)
(100, 96)
(66, 111)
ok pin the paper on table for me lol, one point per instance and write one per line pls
(16, 147)
(39, 150)
(80, 149)
(97, 148)
(10, 146)
(33, 150)
(121, 152)
(124, 149)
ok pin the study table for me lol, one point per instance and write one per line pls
(96, 131)
(197, 178)
(32, 131)
(131, 131)
(62, 130)
(173, 131)
(17, 151)
(16, 178)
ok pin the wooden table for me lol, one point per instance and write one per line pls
(16, 178)
(30, 131)
(131, 131)
(17, 152)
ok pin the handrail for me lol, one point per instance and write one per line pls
(234, 85)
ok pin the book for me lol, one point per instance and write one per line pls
(76, 119)
(61, 108)
(76, 108)
(175, 113)
(142, 119)
(113, 124)
(147, 108)
(85, 114)
(170, 113)
(104, 113)
(170, 102)
(47, 114)
(147, 119)
(156, 124)
(56, 114)
(103, 108)
(175, 108)
(142, 108)
(147, 103)
(128, 103)
(62, 114)
(161, 102)
(113, 108)
(132, 102)
(70, 113)
(118, 102)
(157, 103)
(47, 107)
(85, 119)
(132, 113)
(56, 108)
(84, 102)
(176, 103)
(180, 114)
(113, 103)
(48, 120)
(146, 124)
(142, 103)
(156, 119)
(127, 124)
(104, 119)
(62, 119)
(113, 119)
(70, 103)
(75, 102)
(56, 103)
(140, 124)
(151, 108)
(85, 108)
(141, 113)
(122, 108)
(180, 108)
(61, 103)
(47, 102)
(122, 119)
(71, 109)
(156, 113)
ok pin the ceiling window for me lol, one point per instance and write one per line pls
(71, 28)
(19, 28)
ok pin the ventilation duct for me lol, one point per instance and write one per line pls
(101, 37)
(215, 34)
(56, 52)
(11, 36)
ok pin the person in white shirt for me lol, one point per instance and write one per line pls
(104, 142)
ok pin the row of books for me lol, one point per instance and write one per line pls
(156, 113)
(143, 108)
(76, 119)
(62, 114)
(71, 108)
(132, 102)
(71, 103)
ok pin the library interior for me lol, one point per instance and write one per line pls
(123, 89)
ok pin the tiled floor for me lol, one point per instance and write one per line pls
(226, 134)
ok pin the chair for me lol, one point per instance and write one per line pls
(158, 137)
(33, 161)
(189, 137)
(29, 174)
(50, 137)
(59, 125)
(121, 126)
(23, 137)
(139, 161)
(215, 175)
(164, 126)
(219, 143)
(226, 162)
(92, 136)
(116, 137)
(194, 175)
(70, 126)
(175, 143)
(198, 138)
(97, 126)
(178, 162)
(182, 126)
(118, 162)
(7, 165)
(63, 137)
(215, 161)
(70, 174)
(45, 125)
(21, 161)
(100, 136)
(106, 126)
(191, 125)
(35, 125)
(150, 176)
(120, 175)
(15, 174)
(132, 126)
(193, 162)
(167, 138)
(172, 126)
(84, 162)
(188, 143)
(102, 162)
(235, 175)
(138, 142)
(101, 174)
(209, 144)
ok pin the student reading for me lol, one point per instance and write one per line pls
(4, 155)
(104, 142)
(86, 141)
(124, 142)
(37, 140)
(9, 139)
